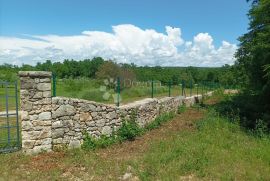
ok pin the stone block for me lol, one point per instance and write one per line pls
(24, 115)
(64, 110)
(74, 144)
(44, 86)
(57, 133)
(85, 116)
(27, 125)
(111, 115)
(28, 144)
(37, 95)
(27, 106)
(57, 124)
(45, 116)
(47, 94)
(100, 123)
(106, 130)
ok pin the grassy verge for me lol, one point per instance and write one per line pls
(197, 144)
(217, 150)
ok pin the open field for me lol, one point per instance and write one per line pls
(94, 90)
(8, 137)
(91, 89)
(11, 100)
(196, 144)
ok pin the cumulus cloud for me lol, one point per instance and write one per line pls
(126, 44)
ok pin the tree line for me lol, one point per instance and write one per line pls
(98, 68)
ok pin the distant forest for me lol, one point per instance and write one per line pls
(97, 68)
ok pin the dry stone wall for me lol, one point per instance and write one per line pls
(52, 123)
(73, 117)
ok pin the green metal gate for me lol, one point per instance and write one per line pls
(9, 117)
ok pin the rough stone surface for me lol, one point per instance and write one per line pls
(106, 130)
(35, 111)
(51, 123)
(45, 116)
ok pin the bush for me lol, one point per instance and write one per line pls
(181, 109)
(260, 128)
(91, 143)
(129, 130)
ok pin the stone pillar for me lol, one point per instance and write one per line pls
(36, 111)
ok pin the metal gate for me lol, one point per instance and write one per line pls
(9, 119)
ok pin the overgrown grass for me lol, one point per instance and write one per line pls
(215, 148)
(218, 150)
(247, 111)
(160, 120)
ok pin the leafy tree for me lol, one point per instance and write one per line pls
(108, 70)
(254, 51)
(252, 67)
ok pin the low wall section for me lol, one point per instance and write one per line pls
(51, 123)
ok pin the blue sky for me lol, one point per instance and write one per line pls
(222, 20)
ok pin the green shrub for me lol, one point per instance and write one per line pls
(260, 128)
(129, 130)
(91, 143)
(181, 109)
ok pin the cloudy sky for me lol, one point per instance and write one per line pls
(166, 33)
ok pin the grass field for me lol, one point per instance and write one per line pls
(198, 144)
(94, 90)
(8, 137)
(90, 89)
(11, 100)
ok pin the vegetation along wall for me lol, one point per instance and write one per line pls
(52, 123)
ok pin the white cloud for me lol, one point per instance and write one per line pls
(127, 43)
